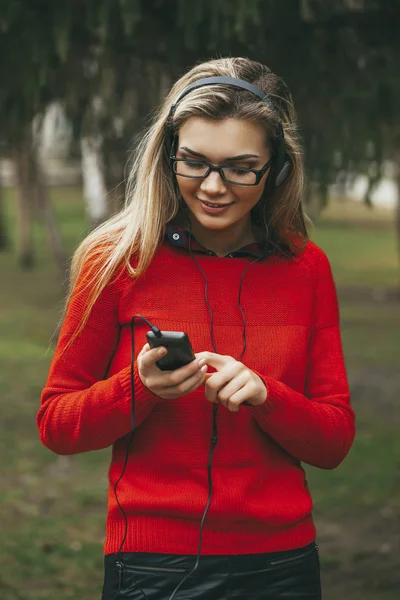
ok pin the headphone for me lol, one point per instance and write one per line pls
(281, 166)
(277, 176)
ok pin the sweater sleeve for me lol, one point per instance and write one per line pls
(80, 410)
(318, 427)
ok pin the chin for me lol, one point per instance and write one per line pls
(215, 223)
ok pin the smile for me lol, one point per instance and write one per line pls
(214, 205)
(213, 208)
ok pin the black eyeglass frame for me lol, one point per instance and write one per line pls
(258, 172)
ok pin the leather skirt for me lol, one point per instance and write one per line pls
(293, 574)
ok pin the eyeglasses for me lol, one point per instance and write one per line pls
(199, 169)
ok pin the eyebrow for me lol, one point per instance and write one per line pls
(231, 158)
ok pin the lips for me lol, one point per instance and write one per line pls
(215, 204)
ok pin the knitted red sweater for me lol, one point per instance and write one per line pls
(261, 500)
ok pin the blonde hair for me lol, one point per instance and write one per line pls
(152, 198)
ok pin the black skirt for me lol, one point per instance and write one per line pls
(293, 574)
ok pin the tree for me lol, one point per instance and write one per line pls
(25, 93)
(4, 240)
(115, 55)
(360, 48)
(109, 63)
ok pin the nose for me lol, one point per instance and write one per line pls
(213, 184)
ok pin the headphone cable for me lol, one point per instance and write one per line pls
(214, 437)
(119, 562)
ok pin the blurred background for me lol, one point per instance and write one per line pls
(79, 81)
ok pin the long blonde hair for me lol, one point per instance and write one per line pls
(152, 198)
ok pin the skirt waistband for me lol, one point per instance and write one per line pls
(232, 563)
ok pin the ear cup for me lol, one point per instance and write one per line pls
(282, 164)
(278, 174)
(282, 174)
(170, 137)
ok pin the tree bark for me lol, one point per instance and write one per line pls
(24, 242)
(397, 217)
(4, 240)
(94, 186)
(312, 201)
(43, 204)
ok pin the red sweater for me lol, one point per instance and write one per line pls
(261, 500)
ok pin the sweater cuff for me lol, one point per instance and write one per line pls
(145, 400)
(275, 401)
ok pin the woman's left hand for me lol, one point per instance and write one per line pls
(233, 383)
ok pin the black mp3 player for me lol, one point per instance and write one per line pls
(180, 351)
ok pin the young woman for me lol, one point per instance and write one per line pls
(207, 495)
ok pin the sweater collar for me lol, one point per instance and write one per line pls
(179, 236)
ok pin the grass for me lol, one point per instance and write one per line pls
(368, 334)
(355, 259)
(361, 244)
(53, 508)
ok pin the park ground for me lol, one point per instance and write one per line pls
(53, 507)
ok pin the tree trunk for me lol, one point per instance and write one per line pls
(94, 186)
(44, 208)
(24, 243)
(4, 240)
(312, 201)
(397, 217)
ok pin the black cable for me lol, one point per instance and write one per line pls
(214, 438)
(157, 333)
(210, 492)
(240, 306)
(207, 301)
(119, 562)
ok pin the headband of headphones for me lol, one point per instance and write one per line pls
(282, 166)
(239, 83)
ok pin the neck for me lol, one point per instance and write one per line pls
(222, 242)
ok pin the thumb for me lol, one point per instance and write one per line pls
(145, 349)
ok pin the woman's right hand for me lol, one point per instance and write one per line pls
(169, 384)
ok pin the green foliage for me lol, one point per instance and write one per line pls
(356, 97)
(339, 59)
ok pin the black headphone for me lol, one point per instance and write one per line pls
(281, 166)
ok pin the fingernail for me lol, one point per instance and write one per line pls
(161, 352)
(202, 362)
(204, 369)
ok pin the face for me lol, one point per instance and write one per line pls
(232, 142)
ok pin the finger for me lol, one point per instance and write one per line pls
(241, 396)
(207, 376)
(200, 355)
(145, 349)
(149, 358)
(191, 383)
(215, 360)
(232, 387)
(216, 382)
(180, 375)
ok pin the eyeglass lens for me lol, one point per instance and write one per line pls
(199, 169)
